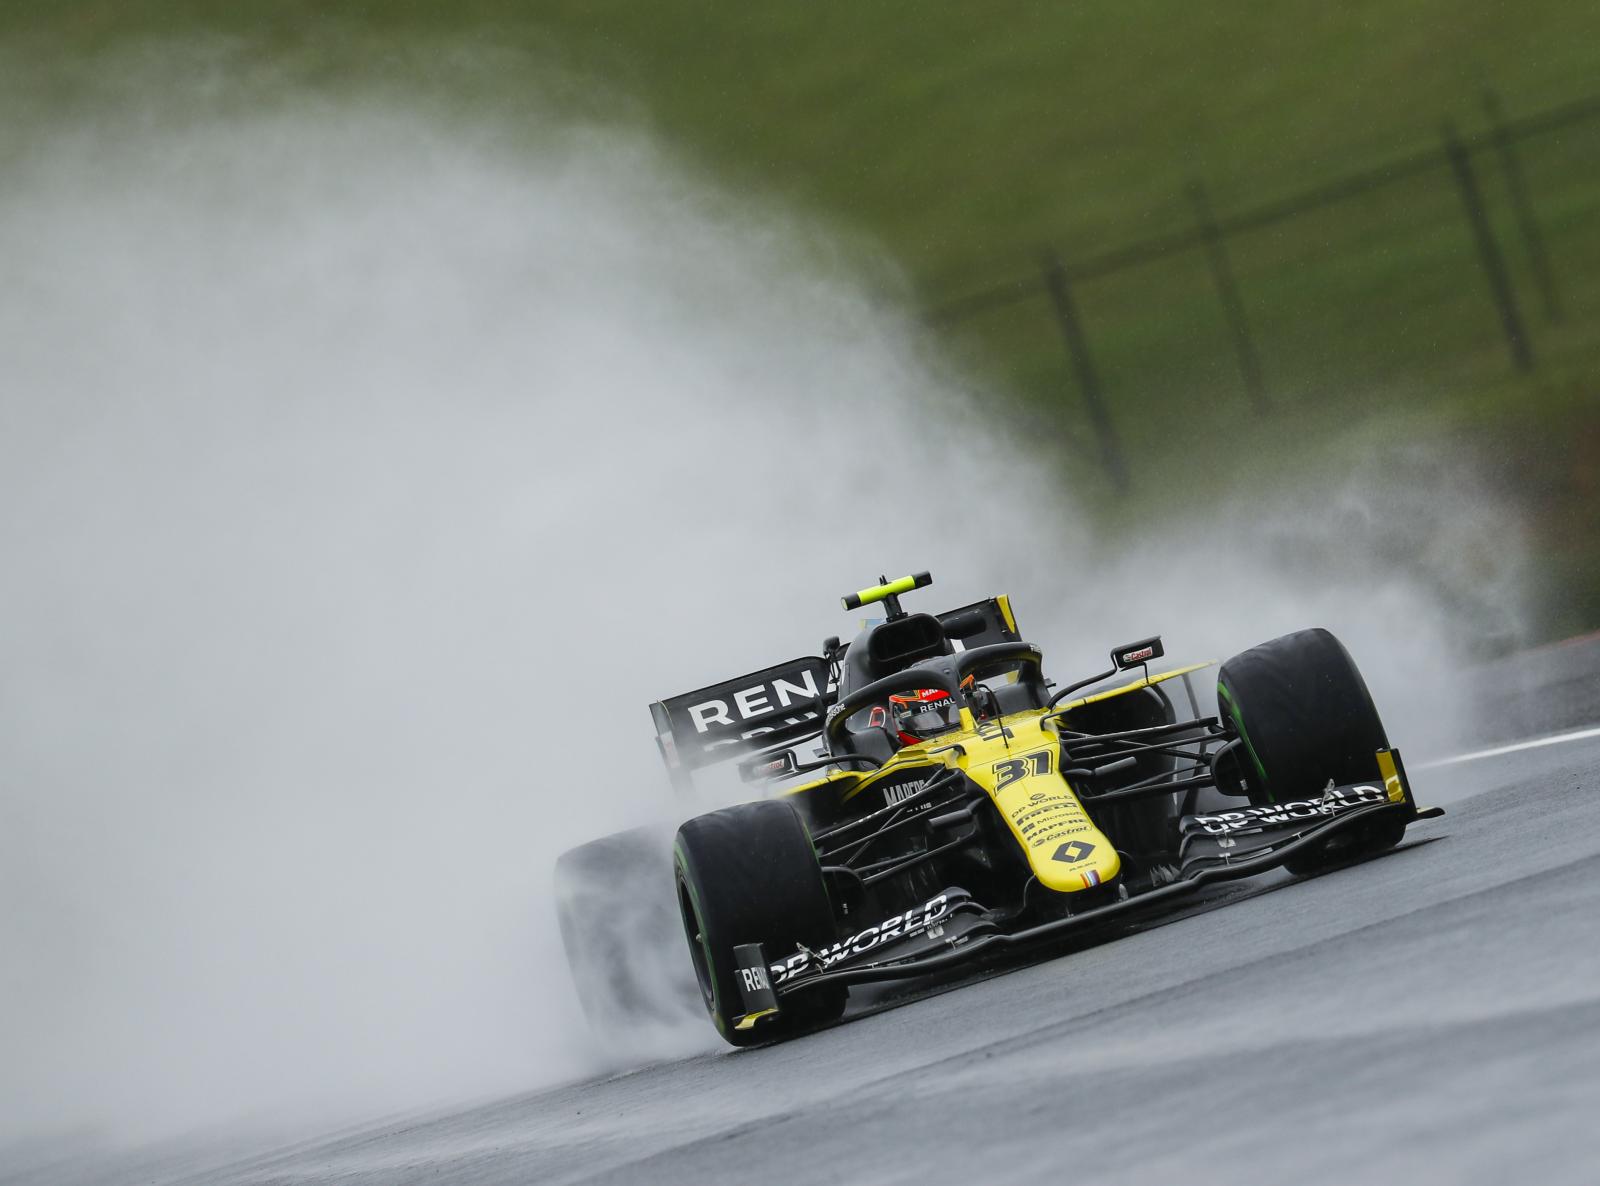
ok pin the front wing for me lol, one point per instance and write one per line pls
(951, 930)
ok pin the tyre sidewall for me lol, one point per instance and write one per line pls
(749, 874)
(1304, 713)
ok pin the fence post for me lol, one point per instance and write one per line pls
(1056, 284)
(1522, 208)
(1494, 264)
(1228, 294)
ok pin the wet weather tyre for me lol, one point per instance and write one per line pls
(1305, 716)
(749, 874)
(620, 933)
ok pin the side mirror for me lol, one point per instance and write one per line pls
(766, 766)
(1137, 654)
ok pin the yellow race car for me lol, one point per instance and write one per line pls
(933, 800)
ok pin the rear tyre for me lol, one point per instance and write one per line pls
(621, 933)
(749, 874)
(1305, 716)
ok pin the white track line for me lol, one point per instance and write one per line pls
(1536, 743)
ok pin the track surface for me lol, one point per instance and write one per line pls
(1430, 1016)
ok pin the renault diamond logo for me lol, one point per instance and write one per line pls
(1073, 851)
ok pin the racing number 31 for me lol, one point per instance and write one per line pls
(1011, 769)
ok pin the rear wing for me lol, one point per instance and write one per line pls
(981, 624)
(786, 704)
(779, 705)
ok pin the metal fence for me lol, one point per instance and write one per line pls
(1460, 157)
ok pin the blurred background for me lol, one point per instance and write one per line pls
(373, 375)
(1234, 244)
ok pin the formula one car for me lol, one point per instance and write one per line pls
(959, 804)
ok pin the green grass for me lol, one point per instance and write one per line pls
(961, 134)
(967, 137)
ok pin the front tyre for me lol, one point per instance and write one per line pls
(749, 874)
(1305, 717)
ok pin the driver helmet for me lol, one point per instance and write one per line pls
(924, 713)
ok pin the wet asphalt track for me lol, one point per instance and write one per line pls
(1431, 1016)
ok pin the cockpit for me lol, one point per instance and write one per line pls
(906, 680)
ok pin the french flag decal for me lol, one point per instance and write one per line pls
(1091, 879)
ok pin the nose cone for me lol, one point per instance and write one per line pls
(1065, 850)
(1082, 862)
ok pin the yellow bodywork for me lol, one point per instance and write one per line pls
(1017, 761)
(1391, 777)
(1019, 767)
(1143, 682)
